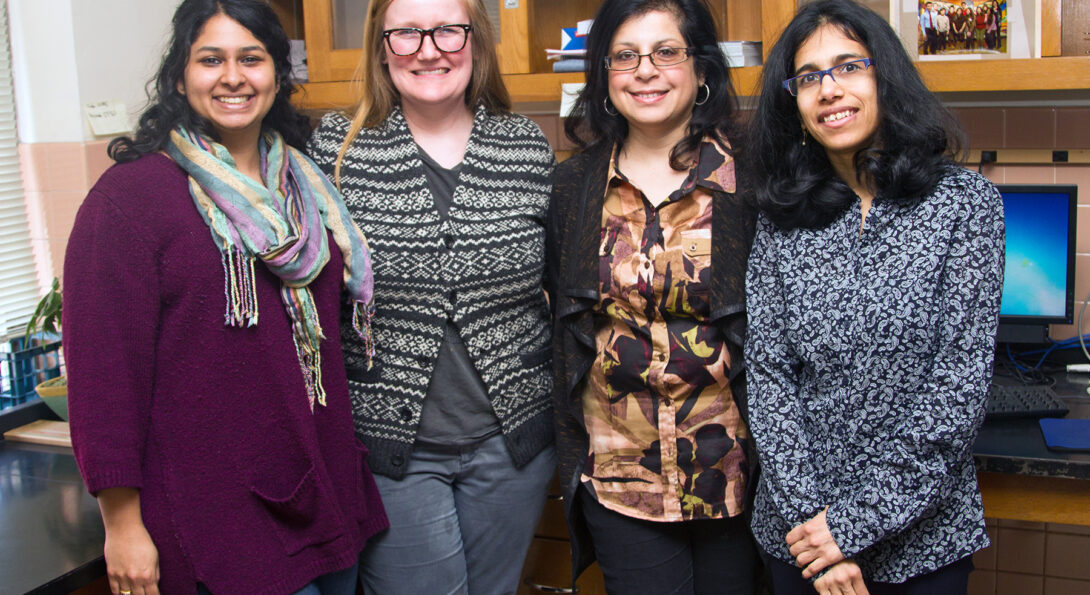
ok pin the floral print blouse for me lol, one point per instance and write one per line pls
(664, 429)
(868, 357)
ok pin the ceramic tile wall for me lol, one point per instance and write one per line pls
(56, 177)
(1033, 559)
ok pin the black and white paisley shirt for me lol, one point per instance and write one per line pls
(868, 358)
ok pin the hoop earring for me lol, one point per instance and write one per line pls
(707, 94)
(605, 106)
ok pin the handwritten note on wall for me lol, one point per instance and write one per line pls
(108, 117)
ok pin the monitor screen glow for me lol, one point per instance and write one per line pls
(1038, 276)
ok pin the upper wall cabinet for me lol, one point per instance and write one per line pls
(334, 32)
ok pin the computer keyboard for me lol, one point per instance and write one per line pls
(1007, 401)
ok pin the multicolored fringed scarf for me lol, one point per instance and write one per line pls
(283, 223)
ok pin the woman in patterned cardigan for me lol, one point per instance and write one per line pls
(452, 189)
(873, 291)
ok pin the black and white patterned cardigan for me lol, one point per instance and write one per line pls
(482, 268)
(869, 355)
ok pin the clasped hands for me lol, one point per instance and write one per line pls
(814, 549)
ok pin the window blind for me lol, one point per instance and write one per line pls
(18, 279)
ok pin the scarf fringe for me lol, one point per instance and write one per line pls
(310, 360)
(361, 321)
(240, 288)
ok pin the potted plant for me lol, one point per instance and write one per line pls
(47, 319)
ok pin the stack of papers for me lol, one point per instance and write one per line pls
(741, 53)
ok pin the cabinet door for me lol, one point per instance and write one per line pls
(334, 34)
(548, 570)
(1075, 17)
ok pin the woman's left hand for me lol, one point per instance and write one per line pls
(844, 578)
(813, 546)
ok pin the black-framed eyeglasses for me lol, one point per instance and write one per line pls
(407, 41)
(630, 60)
(841, 73)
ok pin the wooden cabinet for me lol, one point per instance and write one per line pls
(527, 27)
(548, 563)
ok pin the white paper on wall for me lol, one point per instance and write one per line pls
(108, 117)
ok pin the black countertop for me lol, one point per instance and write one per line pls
(1017, 445)
(50, 530)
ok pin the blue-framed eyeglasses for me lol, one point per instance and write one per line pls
(841, 73)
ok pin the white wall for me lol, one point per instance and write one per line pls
(44, 69)
(68, 53)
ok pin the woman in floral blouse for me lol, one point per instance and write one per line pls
(647, 245)
(873, 294)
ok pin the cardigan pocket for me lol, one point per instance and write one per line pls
(537, 358)
(304, 516)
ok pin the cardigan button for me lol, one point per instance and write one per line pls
(397, 460)
(406, 415)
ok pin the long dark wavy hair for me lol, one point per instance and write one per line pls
(590, 124)
(795, 184)
(167, 107)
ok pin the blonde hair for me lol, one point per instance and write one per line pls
(380, 96)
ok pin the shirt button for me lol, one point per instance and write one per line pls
(660, 356)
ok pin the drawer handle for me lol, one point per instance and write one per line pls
(547, 588)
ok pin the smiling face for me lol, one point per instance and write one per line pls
(842, 116)
(657, 101)
(230, 80)
(429, 78)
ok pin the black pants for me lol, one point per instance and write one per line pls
(952, 579)
(932, 41)
(641, 557)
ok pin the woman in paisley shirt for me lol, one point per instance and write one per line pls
(873, 297)
(646, 249)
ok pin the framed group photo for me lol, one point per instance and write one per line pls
(970, 29)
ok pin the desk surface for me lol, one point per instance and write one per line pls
(1017, 446)
(50, 530)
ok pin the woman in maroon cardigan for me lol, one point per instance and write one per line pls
(220, 445)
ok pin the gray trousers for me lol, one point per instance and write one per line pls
(461, 521)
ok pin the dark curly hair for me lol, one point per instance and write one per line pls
(795, 184)
(167, 107)
(590, 124)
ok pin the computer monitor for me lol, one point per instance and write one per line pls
(1039, 278)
